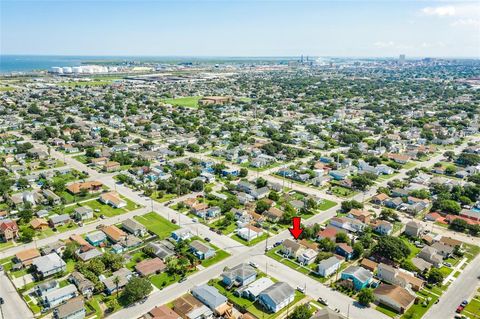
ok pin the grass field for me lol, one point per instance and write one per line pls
(157, 224)
(249, 243)
(188, 101)
(342, 191)
(326, 204)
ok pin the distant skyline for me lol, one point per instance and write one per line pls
(241, 28)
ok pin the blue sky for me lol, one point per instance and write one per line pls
(240, 28)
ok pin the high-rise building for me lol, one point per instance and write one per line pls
(401, 59)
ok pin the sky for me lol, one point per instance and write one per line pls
(381, 28)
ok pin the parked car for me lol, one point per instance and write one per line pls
(207, 239)
(173, 221)
(253, 264)
(182, 279)
(301, 289)
(464, 303)
(322, 301)
(459, 309)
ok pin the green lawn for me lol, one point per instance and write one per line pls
(250, 243)
(163, 280)
(417, 311)
(473, 308)
(164, 198)
(188, 101)
(81, 158)
(5, 245)
(445, 271)
(225, 230)
(69, 198)
(326, 204)
(219, 256)
(342, 191)
(157, 224)
(386, 310)
(106, 210)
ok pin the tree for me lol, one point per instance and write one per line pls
(450, 155)
(27, 235)
(197, 185)
(261, 182)
(341, 237)
(273, 195)
(362, 181)
(458, 224)
(352, 204)
(391, 247)
(22, 183)
(26, 215)
(69, 252)
(365, 297)
(262, 206)
(116, 282)
(136, 289)
(243, 172)
(388, 214)
(326, 244)
(447, 206)
(435, 276)
(358, 250)
(301, 312)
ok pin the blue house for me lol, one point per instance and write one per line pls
(96, 238)
(240, 275)
(360, 277)
(181, 234)
(230, 171)
(201, 251)
(338, 175)
(344, 250)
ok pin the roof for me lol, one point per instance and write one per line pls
(199, 246)
(132, 224)
(241, 270)
(96, 236)
(163, 312)
(8, 224)
(27, 254)
(210, 295)
(345, 247)
(291, 244)
(185, 304)
(149, 266)
(76, 187)
(278, 292)
(329, 262)
(111, 197)
(71, 307)
(326, 313)
(48, 262)
(113, 232)
(258, 286)
(449, 241)
(38, 222)
(60, 292)
(398, 294)
(328, 232)
(360, 273)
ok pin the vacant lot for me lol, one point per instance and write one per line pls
(188, 101)
(157, 224)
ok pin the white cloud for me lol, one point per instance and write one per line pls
(466, 22)
(441, 11)
(383, 44)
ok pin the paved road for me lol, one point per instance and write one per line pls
(14, 306)
(460, 289)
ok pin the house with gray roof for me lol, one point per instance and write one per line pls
(277, 296)
(328, 266)
(201, 250)
(54, 298)
(123, 275)
(134, 227)
(83, 213)
(240, 275)
(72, 309)
(48, 265)
(209, 296)
(59, 220)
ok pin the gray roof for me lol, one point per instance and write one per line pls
(199, 246)
(278, 292)
(360, 273)
(60, 292)
(48, 262)
(329, 262)
(209, 295)
(131, 224)
(326, 313)
(60, 218)
(123, 275)
(83, 210)
(96, 236)
(239, 271)
(70, 307)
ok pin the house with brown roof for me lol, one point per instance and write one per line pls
(362, 215)
(162, 312)
(112, 199)
(39, 224)
(8, 230)
(90, 186)
(395, 297)
(273, 214)
(369, 264)
(114, 233)
(291, 248)
(328, 232)
(380, 199)
(111, 166)
(149, 267)
(26, 257)
(452, 242)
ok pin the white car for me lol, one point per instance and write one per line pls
(253, 264)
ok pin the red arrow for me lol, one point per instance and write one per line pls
(296, 230)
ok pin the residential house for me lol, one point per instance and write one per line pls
(134, 227)
(394, 297)
(114, 233)
(383, 227)
(369, 264)
(292, 249)
(82, 213)
(150, 266)
(26, 257)
(90, 186)
(39, 224)
(249, 232)
(162, 251)
(344, 250)
(308, 256)
(273, 214)
(162, 312)
(210, 296)
(240, 275)
(123, 275)
(188, 307)
(112, 199)
(59, 220)
(72, 309)
(253, 290)
(201, 250)
(48, 265)
(55, 297)
(413, 228)
(398, 277)
(181, 234)
(44, 287)
(84, 286)
(360, 277)
(362, 215)
(8, 230)
(111, 166)
(326, 313)
(329, 266)
(329, 232)
(96, 238)
(277, 296)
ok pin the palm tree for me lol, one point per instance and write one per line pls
(116, 281)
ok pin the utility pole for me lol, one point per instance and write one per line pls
(1, 306)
